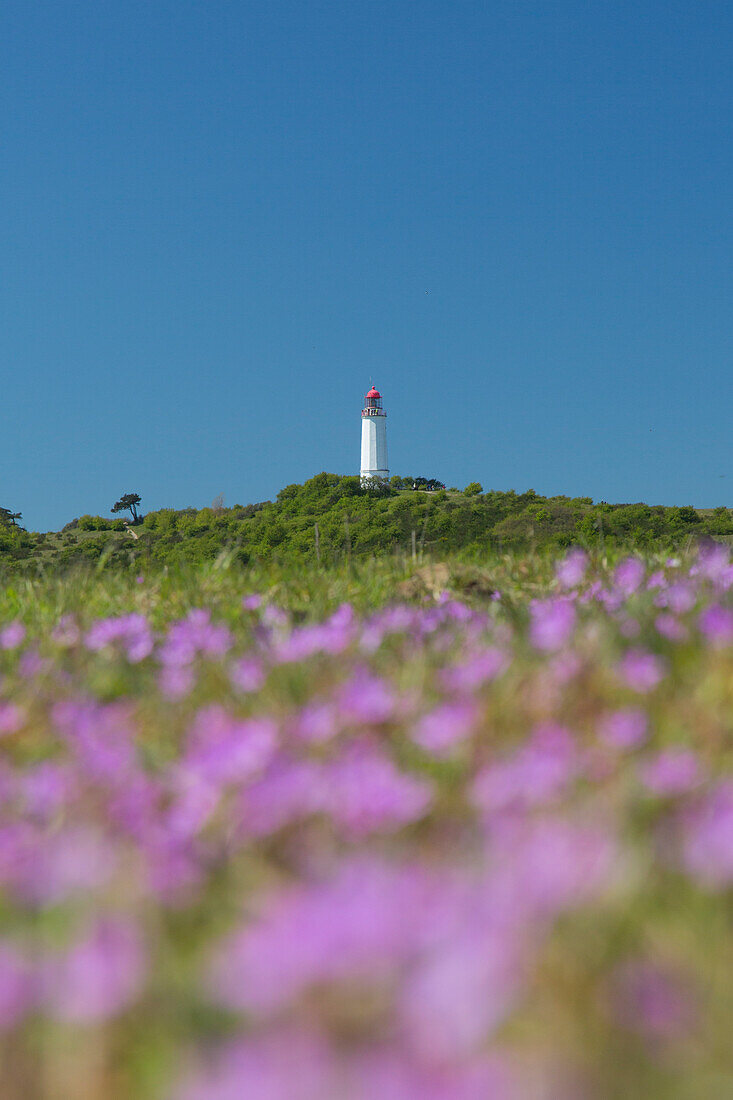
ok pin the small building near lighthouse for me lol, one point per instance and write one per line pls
(373, 437)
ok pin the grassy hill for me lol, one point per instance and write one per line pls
(330, 519)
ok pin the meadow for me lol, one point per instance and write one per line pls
(450, 831)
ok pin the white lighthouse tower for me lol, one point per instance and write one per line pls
(373, 437)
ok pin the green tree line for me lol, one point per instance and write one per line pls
(330, 518)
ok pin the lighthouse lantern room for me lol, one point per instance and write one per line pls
(373, 437)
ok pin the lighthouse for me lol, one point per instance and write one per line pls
(373, 437)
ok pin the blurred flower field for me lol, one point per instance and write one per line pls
(449, 834)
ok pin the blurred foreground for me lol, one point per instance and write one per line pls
(452, 834)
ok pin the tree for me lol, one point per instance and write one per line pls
(6, 516)
(376, 486)
(686, 514)
(129, 502)
(474, 489)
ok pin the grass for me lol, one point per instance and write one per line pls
(387, 825)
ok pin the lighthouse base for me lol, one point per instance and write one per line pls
(371, 475)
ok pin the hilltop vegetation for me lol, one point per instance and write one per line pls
(331, 518)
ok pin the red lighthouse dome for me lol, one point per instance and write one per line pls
(372, 403)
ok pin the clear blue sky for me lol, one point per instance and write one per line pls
(220, 219)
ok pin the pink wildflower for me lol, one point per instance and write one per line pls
(16, 986)
(442, 729)
(640, 670)
(195, 635)
(366, 699)
(12, 635)
(475, 669)
(534, 775)
(716, 624)
(366, 793)
(351, 926)
(623, 729)
(132, 632)
(679, 598)
(670, 628)
(12, 717)
(551, 623)
(571, 570)
(672, 771)
(316, 723)
(628, 576)
(98, 977)
(247, 674)
(222, 749)
(176, 681)
(708, 838)
(289, 789)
